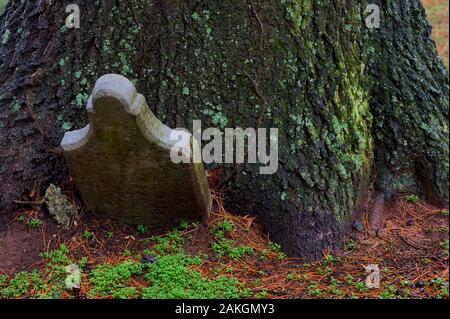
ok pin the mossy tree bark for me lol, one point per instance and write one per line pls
(410, 105)
(353, 106)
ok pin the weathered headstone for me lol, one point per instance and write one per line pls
(121, 161)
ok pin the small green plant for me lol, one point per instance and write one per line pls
(335, 291)
(141, 229)
(334, 282)
(39, 286)
(17, 287)
(172, 277)
(126, 293)
(3, 280)
(281, 256)
(58, 257)
(426, 261)
(389, 293)
(223, 228)
(110, 281)
(405, 283)
(184, 225)
(57, 261)
(195, 16)
(35, 223)
(226, 247)
(88, 235)
(66, 126)
(109, 235)
(334, 287)
(361, 287)
(351, 245)
(314, 290)
(291, 277)
(240, 252)
(263, 254)
(227, 226)
(82, 263)
(16, 105)
(349, 279)
(294, 277)
(324, 271)
(222, 247)
(172, 243)
(263, 294)
(442, 284)
(127, 253)
(412, 198)
(444, 292)
(444, 212)
(330, 259)
(186, 91)
(275, 247)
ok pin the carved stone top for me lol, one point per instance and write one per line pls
(121, 161)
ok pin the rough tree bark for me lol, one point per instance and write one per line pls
(354, 106)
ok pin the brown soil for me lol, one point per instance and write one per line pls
(20, 246)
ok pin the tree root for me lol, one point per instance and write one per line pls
(376, 212)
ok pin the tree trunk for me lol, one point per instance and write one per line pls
(353, 106)
(410, 105)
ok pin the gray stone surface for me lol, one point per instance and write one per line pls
(59, 206)
(121, 161)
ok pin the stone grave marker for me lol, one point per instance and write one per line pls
(121, 162)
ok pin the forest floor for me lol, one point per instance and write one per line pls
(230, 257)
